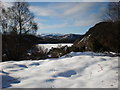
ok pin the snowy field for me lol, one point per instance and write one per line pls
(49, 46)
(75, 70)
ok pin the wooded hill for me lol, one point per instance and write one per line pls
(104, 36)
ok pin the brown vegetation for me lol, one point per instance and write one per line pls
(104, 36)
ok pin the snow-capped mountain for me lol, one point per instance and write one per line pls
(60, 36)
(51, 34)
(71, 36)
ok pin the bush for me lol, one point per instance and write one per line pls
(38, 52)
(58, 52)
(15, 47)
(73, 49)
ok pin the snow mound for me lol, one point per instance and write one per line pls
(74, 70)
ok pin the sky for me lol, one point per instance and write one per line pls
(67, 17)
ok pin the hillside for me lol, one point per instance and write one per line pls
(104, 36)
(58, 38)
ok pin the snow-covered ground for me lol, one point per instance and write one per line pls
(74, 70)
(49, 46)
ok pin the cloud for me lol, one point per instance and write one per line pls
(91, 20)
(42, 26)
(77, 8)
(72, 14)
(39, 19)
(41, 11)
(6, 4)
(60, 9)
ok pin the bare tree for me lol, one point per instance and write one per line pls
(17, 19)
(15, 23)
(22, 18)
(112, 12)
(3, 19)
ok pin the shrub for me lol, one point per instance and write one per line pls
(36, 53)
(58, 52)
(15, 49)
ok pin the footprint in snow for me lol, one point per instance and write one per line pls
(34, 64)
(8, 80)
(66, 74)
(50, 80)
(23, 66)
(102, 59)
(17, 66)
(4, 72)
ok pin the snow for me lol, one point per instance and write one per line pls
(74, 70)
(51, 34)
(49, 46)
(84, 39)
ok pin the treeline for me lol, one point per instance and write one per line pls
(55, 41)
(66, 38)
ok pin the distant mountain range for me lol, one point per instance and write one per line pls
(58, 38)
